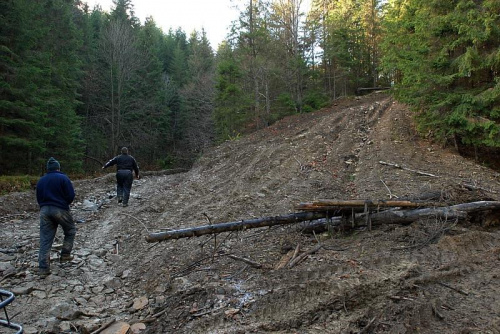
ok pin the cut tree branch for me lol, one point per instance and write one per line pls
(408, 169)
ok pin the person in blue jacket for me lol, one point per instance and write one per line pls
(54, 194)
(125, 166)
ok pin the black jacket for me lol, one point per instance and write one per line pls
(124, 162)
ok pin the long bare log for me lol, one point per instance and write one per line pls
(322, 205)
(234, 226)
(459, 211)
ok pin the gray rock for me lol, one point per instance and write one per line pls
(65, 311)
(6, 267)
(88, 326)
(22, 290)
(98, 300)
(7, 257)
(39, 294)
(50, 324)
(100, 252)
(126, 273)
(30, 330)
(65, 326)
(113, 283)
(81, 301)
(96, 263)
(79, 289)
(97, 289)
(114, 258)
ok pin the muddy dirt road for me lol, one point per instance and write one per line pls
(431, 276)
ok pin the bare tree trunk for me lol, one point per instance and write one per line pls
(234, 226)
(459, 211)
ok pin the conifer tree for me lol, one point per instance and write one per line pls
(198, 94)
(42, 70)
(444, 58)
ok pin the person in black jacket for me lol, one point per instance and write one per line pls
(54, 194)
(125, 165)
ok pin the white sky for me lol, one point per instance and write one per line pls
(215, 16)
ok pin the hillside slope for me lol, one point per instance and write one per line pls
(431, 276)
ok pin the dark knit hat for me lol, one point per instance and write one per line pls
(53, 164)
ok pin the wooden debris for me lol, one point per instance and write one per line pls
(323, 209)
(234, 226)
(359, 90)
(366, 329)
(450, 213)
(408, 169)
(117, 328)
(104, 326)
(331, 205)
(247, 261)
(284, 260)
(302, 256)
(453, 288)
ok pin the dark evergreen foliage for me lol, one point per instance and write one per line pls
(445, 60)
(40, 78)
(78, 83)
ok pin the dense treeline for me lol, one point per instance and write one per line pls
(445, 59)
(78, 83)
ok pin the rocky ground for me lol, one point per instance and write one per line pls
(431, 276)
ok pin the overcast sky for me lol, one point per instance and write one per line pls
(215, 16)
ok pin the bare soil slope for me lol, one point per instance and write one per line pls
(431, 276)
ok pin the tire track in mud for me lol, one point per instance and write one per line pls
(339, 297)
(294, 299)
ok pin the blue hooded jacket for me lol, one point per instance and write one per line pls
(55, 189)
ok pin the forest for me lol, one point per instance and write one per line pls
(78, 83)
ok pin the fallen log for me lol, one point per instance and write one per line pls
(359, 90)
(324, 205)
(454, 212)
(234, 226)
(459, 211)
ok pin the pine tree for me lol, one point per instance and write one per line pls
(198, 94)
(444, 57)
(232, 109)
(40, 44)
(150, 113)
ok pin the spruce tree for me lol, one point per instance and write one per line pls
(444, 58)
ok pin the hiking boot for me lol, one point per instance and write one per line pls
(66, 258)
(120, 199)
(43, 272)
(125, 204)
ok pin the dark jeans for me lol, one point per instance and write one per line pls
(50, 218)
(124, 179)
